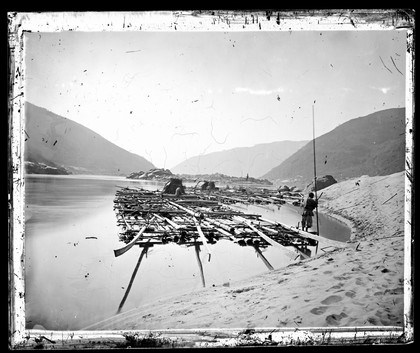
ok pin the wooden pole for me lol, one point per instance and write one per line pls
(313, 142)
(202, 236)
(144, 251)
(263, 258)
(200, 265)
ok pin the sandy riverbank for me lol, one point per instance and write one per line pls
(361, 285)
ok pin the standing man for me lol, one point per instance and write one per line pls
(308, 212)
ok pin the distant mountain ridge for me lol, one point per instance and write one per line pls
(369, 145)
(238, 162)
(57, 141)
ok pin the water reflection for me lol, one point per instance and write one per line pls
(329, 227)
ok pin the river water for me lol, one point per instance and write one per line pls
(72, 278)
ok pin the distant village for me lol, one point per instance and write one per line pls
(161, 174)
(166, 174)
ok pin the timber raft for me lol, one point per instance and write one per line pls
(149, 218)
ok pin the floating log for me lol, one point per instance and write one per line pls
(198, 201)
(124, 249)
(288, 252)
(192, 213)
(220, 228)
(173, 224)
(233, 199)
(203, 238)
(326, 241)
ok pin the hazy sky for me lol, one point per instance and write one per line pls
(168, 96)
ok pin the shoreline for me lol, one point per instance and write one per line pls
(339, 218)
(351, 286)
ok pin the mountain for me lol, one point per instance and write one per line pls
(238, 162)
(56, 141)
(370, 145)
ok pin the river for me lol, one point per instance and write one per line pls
(72, 278)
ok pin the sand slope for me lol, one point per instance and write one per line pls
(361, 285)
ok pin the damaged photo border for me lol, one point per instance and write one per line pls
(216, 20)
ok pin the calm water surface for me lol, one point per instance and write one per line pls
(72, 280)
